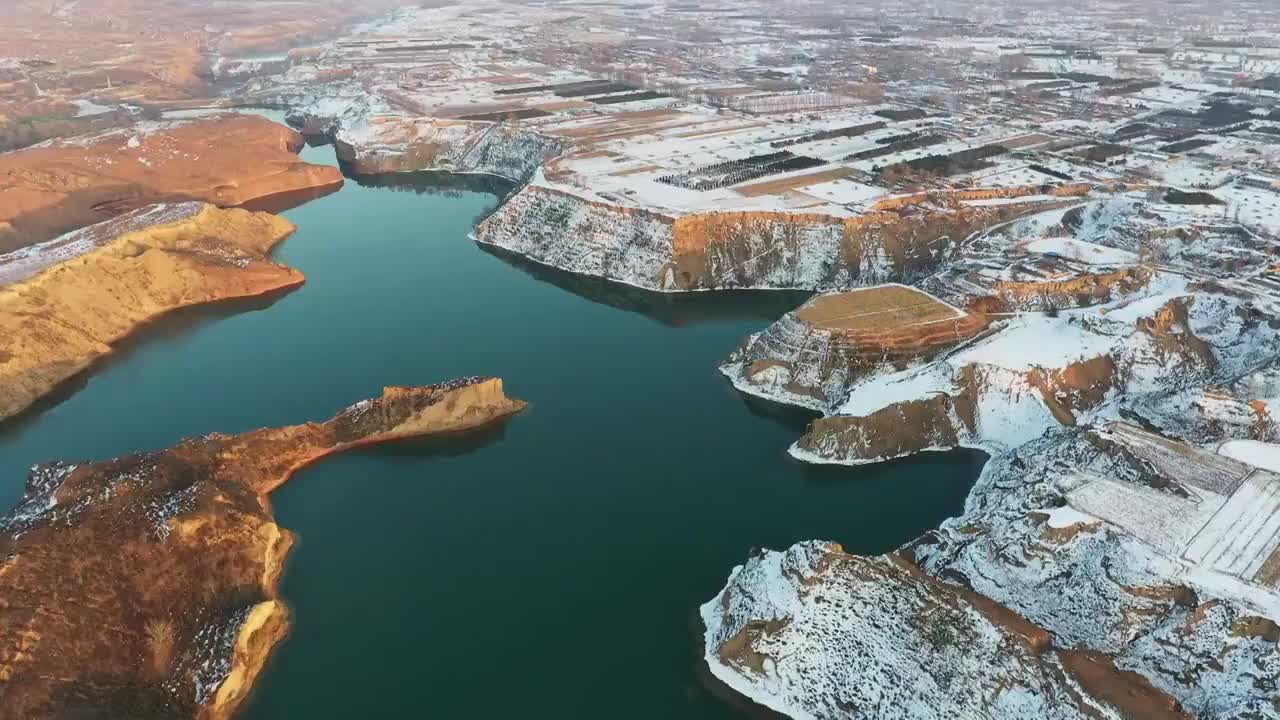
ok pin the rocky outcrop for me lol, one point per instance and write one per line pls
(814, 632)
(813, 355)
(147, 586)
(1080, 290)
(1021, 607)
(564, 231)
(983, 406)
(65, 303)
(1103, 567)
(395, 144)
(61, 185)
(722, 250)
(1146, 359)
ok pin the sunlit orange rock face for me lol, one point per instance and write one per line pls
(65, 304)
(228, 161)
(146, 587)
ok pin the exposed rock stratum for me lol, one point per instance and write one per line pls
(65, 303)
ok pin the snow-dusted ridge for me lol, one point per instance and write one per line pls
(1118, 556)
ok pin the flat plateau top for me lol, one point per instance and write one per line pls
(877, 308)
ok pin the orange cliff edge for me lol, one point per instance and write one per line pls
(230, 161)
(66, 303)
(177, 610)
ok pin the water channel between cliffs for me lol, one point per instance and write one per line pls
(548, 568)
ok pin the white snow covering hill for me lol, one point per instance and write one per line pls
(1263, 455)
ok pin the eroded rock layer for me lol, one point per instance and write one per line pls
(1118, 557)
(720, 250)
(1148, 360)
(846, 628)
(146, 586)
(64, 303)
(405, 145)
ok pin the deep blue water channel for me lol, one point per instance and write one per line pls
(548, 568)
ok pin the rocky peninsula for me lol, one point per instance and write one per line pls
(65, 303)
(1119, 556)
(64, 184)
(176, 609)
(394, 144)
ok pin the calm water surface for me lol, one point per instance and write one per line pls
(548, 568)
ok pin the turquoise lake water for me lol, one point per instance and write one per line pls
(547, 568)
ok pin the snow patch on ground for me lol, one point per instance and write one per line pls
(1258, 454)
(1086, 252)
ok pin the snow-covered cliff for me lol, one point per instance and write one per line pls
(573, 229)
(814, 355)
(630, 245)
(1148, 357)
(1022, 607)
(1110, 562)
(393, 144)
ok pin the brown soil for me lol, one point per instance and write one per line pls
(1078, 387)
(62, 320)
(146, 587)
(1257, 627)
(876, 308)
(228, 161)
(1269, 573)
(1035, 638)
(130, 50)
(1129, 692)
(1171, 334)
(899, 429)
(1080, 291)
(739, 650)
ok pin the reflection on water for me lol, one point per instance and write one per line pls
(438, 183)
(961, 462)
(790, 417)
(438, 447)
(671, 309)
(171, 326)
(574, 545)
(281, 202)
(433, 182)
